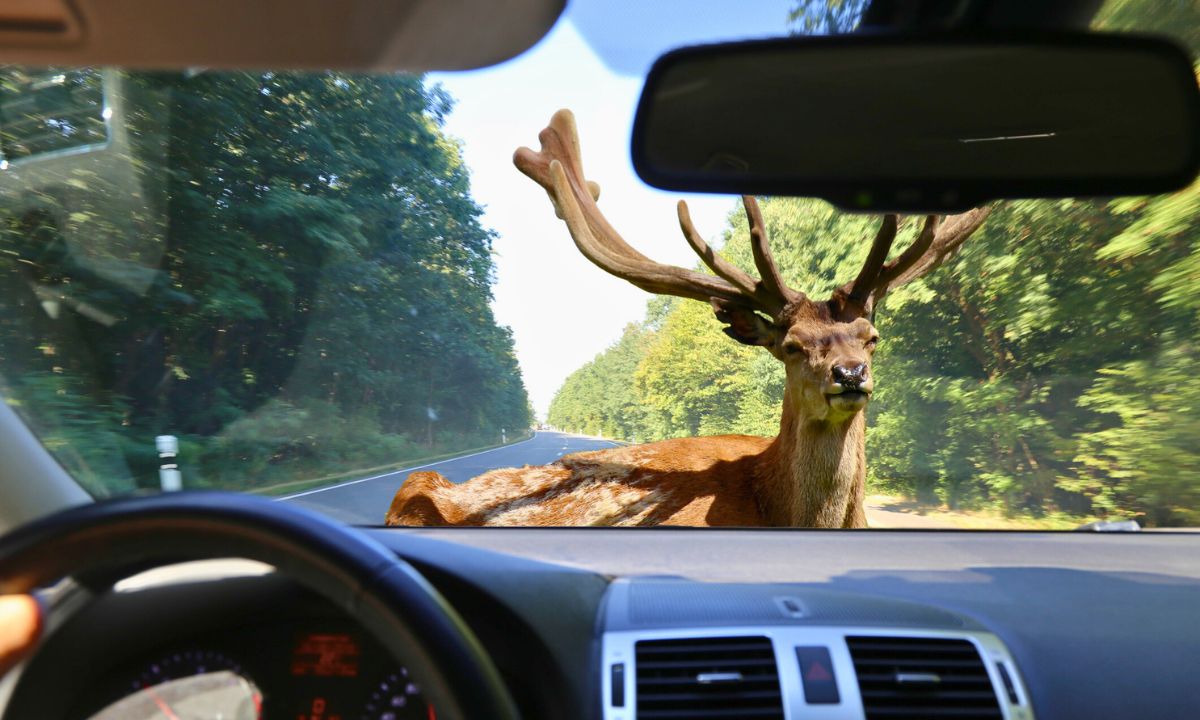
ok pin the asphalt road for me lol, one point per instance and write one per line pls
(364, 501)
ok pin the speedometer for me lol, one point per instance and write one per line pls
(188, 685)
(184, 663)
(397, 697)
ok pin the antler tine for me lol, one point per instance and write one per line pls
(649, 276)
(763, 259)
(910, 256)
(938, 240)
(859, 292)
(560, 141)
(719, 265)
(946, 238)
(557, 167)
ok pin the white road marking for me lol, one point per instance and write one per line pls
(402, 470)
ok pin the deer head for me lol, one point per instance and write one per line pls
(825, 345)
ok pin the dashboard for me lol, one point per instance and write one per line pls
(657, 623)
(315, 667)
(287, 653)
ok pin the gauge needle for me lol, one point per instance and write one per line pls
(162, 705)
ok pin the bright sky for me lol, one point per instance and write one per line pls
(563, 310)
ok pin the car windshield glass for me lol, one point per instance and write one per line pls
(324, 286)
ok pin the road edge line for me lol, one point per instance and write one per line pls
(401, 470)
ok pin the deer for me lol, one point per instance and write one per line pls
(811, 474)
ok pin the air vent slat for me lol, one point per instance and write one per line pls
(912, 678)
(917, 662)
(865, 678)
(906, 696)
(744, 695)
(707, 713)
(658, 663)
(749, 648)
(932, 711)
(690, 679)
(876, 675)
(915, 647)
(702, 678)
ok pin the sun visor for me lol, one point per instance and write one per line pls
(378, 35)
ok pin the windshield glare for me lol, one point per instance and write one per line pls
(328, 287)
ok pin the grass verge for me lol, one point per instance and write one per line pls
(975, 519)
(295, 486)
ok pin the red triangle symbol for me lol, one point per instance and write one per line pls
(818, 672)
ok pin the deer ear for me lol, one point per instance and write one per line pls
(745, 325)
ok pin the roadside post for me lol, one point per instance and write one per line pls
(168, 466)
(503, 437)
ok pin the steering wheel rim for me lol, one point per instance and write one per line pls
(408, 616)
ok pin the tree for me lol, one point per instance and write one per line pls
(291, 267)
(1027, 374)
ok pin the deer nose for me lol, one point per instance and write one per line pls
(850, 377)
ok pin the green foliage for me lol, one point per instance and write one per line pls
(1048, 368)
(826, 17)
(1179, 19)
(82, 428)
(287, 270)
(269, 443)
(1146, 459)
(598, 398)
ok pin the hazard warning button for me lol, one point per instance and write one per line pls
(816, 672)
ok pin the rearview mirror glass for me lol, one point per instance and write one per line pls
(935, 124)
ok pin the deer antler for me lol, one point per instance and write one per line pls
(558, 168)
(938, 240)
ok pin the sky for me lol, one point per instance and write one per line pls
(562, 309)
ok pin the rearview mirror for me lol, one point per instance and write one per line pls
(933, 124)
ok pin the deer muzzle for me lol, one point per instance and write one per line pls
(850, 388)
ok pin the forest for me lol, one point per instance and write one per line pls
(1051, 367)
(286, 271)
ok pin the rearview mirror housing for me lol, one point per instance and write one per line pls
(927, 123)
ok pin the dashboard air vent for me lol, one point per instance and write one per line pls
(903, 678)
(701, 678)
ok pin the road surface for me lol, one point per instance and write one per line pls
(364, 501)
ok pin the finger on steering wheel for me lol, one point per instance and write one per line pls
(20, 628)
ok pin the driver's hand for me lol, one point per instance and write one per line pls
(20, 628)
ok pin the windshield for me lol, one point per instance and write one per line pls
(322, 286)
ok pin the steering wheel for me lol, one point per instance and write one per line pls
(111, 540)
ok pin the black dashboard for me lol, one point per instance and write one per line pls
(300, 656)
(627, 624)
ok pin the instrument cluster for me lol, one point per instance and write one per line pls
(286, 671)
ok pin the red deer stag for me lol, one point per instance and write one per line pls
(811, 475)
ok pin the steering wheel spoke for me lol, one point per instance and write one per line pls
(107, 541)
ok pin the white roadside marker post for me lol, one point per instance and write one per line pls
(168, 467)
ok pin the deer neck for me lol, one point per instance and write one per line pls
(814, 474)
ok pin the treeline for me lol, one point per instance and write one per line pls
(286, 270)
(1052, 366)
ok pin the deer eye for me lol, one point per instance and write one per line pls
(872, 342)
(793, 348)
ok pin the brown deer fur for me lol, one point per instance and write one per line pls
(811, 475)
